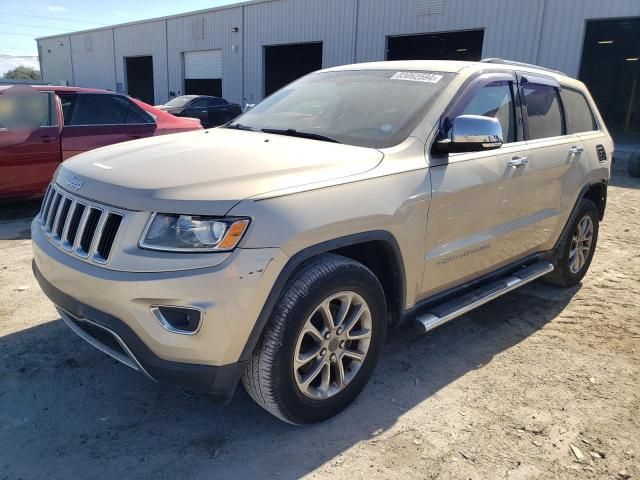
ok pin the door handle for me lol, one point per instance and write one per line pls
(47, 139)
(576, 150)
(518, 162)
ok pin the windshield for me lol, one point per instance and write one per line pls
(369, 108)
(179, 101)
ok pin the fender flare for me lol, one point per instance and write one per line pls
(299, 258)
(576, 206)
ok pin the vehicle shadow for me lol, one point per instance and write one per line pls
(15, 219)
(66, 409)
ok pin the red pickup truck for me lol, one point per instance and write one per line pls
(79, 119)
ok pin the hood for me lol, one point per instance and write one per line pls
(207, 172)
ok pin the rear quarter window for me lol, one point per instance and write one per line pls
(544, 116)
(579, 116)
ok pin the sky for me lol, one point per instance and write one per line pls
(21, 22)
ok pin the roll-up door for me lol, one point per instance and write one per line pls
(203, 73)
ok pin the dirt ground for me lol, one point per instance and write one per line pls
(502, 393)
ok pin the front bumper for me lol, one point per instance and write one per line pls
(231, 296)
(125, 346)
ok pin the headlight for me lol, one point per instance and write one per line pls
(190, 233)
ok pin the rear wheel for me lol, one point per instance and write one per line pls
(574, 253)
(322, 342)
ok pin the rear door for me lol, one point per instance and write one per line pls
(557, 160)
(28, 159)
(93, 120)
(582, 122)
(478, 217)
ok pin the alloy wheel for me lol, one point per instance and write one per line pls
(332, 345)
(581, 244)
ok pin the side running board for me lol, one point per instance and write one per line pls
(445, 312)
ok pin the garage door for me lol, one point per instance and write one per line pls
(203, 73)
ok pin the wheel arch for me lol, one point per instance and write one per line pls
(597, 193)
(378, 250)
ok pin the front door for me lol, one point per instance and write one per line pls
(479, 217)
(28, 159)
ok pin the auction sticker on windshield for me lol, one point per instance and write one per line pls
(418, 77)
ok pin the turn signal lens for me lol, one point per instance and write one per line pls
(233, 235)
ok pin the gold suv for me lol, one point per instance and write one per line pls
(279, 248)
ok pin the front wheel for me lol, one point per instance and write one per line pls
(322, 342)
(575, 250)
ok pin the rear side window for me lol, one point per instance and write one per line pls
(103, 109)
(495, 100)
(200, 103)
(578, 113)
(216, 102)
(543, 111)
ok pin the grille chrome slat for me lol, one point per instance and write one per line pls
(71, 235)
(61, 220)
(81, 228)
(97, 234)
(46, 200)
(107, 236)
(88, 232)
(53, 212)
(65, 231)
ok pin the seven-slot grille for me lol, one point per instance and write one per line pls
(79, 227)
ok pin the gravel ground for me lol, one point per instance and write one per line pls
(504, 392)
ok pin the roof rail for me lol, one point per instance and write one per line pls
(520, 64)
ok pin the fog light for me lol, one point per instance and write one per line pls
(182, 320)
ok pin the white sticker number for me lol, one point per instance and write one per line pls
(417, 77)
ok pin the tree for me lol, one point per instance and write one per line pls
(23, 73)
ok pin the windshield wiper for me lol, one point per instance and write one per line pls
(239, 126)
(290, 132)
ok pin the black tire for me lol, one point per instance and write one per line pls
(269, 375)
(562, 276)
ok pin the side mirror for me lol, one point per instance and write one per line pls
(472, 133)
(248, 107)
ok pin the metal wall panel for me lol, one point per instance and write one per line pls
(511, 27)
(545, 32)
(93, 61)
(183, 35)
(55, 60)
(331, 22)
(144, 39)
(564, 27)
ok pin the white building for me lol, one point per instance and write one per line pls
(245, 51)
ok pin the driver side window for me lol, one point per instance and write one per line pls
(495, 100)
